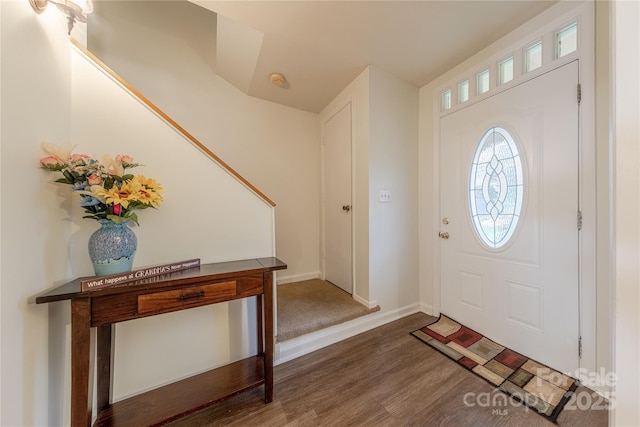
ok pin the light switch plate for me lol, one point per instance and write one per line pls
(384, 196)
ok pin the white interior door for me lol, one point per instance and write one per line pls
(337, 199)
(508, 273)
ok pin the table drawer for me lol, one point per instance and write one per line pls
(186, 297)
(136, 303)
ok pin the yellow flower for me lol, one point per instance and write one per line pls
(148, 190)
(138, 189)
(150, 183)
(122, 196)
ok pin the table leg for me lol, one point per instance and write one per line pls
(104, 366)
(259, 314)
(80, 362)
(267, 281)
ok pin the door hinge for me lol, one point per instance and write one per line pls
(579, 346)
(579, 94)
(579, 220)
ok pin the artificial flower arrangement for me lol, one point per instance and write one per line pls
(106, 191)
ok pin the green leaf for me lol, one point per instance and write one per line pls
(134, 218)
(53, 168)
(127, 177)
(64, 181)
(69, 176)
(108, 183)
(126, 165)
(116, 219)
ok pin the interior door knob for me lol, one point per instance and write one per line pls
(443, 235)
(346, 208)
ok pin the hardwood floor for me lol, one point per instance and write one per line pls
(383, 377)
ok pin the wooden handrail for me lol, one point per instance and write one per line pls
(169, 120)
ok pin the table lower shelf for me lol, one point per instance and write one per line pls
(184, 397)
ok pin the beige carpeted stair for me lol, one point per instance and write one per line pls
(311, 305)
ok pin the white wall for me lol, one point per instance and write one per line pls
(426, 201)
(0, 222)
(36, 106)
(626, 205)
(393, 166)
(603, 185)
(385, 150)
(274, 147)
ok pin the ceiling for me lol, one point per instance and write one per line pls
(321, 46)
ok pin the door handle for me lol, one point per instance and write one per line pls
(443, 235)
(346, 208)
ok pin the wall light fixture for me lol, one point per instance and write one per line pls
(76, 10)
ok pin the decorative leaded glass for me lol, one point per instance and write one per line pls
(496, 187)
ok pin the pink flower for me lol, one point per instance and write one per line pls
(78, 156)
(94, 179)
(116, 209)
(50, 161)
(123, 158)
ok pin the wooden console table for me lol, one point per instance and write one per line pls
(207, 284)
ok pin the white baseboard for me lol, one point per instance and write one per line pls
(426, 308)
(296, 347)
(281, 280)
(368, 304)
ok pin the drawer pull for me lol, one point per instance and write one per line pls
(191, 296)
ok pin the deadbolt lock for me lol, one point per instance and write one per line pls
(445, 221)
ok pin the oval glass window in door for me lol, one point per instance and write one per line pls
(496, 187)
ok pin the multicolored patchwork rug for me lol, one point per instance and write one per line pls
(539, 387)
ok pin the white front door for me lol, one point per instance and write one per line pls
(509, 203)
(336, 143)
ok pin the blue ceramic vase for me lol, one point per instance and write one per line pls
(112, 248)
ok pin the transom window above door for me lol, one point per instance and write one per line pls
(496, 187)
(512, 66)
